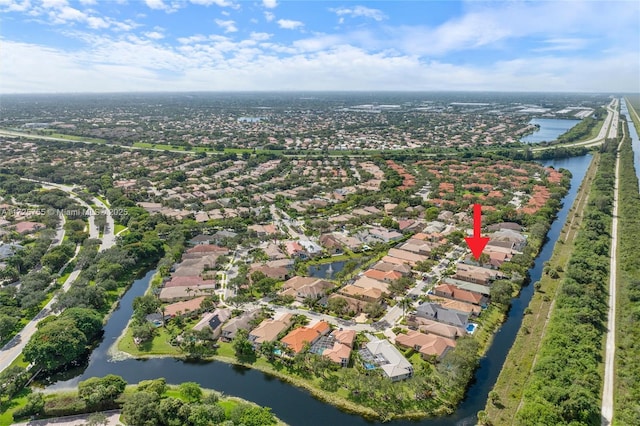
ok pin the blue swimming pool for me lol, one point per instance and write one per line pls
(368, 366)
(471, 327)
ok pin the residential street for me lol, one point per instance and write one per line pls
(13, 348)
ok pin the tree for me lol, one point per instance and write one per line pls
(249, 415)
(406, 304)
(7, 325)
(101, 392)
(337, 305)
(501, 292)
(97, 419)
(374, 310)
(242, 346)
(143, 332)
(12, 380)
(190, 391)
(205, 415)
(55, 345)
(141, 409)
(173, 412)
(157, 386)
(87, 320)
(34, 406)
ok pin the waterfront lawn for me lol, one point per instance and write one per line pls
(159, 345)
(488, 323)
(7, 408)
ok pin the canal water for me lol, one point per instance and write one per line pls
(296, 406)
(550, 129)
(635, 140)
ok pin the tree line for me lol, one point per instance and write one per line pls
(565, 385)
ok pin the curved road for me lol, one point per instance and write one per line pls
(14, 348)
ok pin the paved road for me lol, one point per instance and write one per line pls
(609, 366)
(14, 348)
(113, 419)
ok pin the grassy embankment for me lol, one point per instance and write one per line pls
(627, 368)
(522, 356)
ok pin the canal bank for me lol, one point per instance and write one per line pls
(296, 406)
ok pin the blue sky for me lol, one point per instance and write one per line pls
(228, 45)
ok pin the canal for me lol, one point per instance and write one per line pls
(293, 405)
(635, 140)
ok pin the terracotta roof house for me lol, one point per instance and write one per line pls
(263, 230)
(404, 269)
(214, 321)
(385, 356)
(434, 327)
(294, 249)
(189, 281)
(476, 274)
(453, 292)
(28, 227)
(297, 338)
(429, 345)
(242, 322)
(353, 304)
(304, 287)
(386, 277)
(208, 248)
(183, 307)
(366, 282)
(173, 294)
(331, 244)
(468, 308)
(407, 256)
(269, 329)
(279, 273)
(372, 295)
(339, 353)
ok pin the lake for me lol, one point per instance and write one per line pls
(293, 405)
(550, 129)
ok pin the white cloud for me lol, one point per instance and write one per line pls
(221, 3)
(155, 35)
(268, 16)
(360, 11)
(156, 4)
(88, 2)
(270, 4)
(561, 44)
(15, 6)
(218, 63)
(260, 36)
(289, 24)
(228, 26)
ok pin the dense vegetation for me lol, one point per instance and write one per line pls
(150, 402)
(627, 392)
(580, 130)
(566, 381)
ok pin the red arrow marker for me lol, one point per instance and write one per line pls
(477, 243)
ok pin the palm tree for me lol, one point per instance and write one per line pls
(405, 303)
(162, 311)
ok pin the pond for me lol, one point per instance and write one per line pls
(326, 270)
